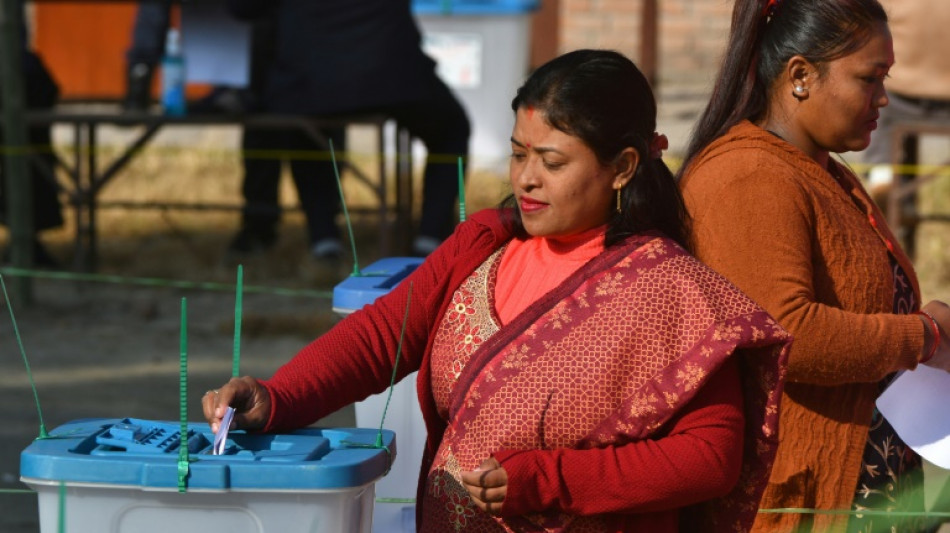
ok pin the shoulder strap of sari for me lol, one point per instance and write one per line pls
(529, 316)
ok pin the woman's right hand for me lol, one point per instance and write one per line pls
(250, 401)
(941, 314)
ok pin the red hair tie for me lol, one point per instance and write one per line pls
(658, 144)
(770, 6)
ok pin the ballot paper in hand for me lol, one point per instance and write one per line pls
(221, 437)
(915, 404)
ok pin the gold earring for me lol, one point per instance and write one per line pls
(619, 209)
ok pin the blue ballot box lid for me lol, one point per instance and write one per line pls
(473, 7)
(376, 280)
(144, 453)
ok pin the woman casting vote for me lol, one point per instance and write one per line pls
(579, 370)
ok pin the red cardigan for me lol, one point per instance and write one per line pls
(643, 482)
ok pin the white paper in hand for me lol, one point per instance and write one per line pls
(916, 405)
(221, 437)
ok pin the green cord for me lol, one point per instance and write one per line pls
(238, 303)
(392, 379)
(851, 512)
(158, 282)
(26, 363)
(183, 399)
(461, 191)
(346, 212)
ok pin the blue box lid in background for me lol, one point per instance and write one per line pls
(144, 453)
(376, 280)
(473, 7)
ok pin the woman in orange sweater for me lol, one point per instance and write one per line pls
(795, 230)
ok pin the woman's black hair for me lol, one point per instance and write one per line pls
(602, 98)
(764, 36)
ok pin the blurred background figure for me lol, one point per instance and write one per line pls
(266, 150)
(152, 20)
(345, 56)
(918, 87)
(40, 92)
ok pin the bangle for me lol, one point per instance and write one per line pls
(936, 328)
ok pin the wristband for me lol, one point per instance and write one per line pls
(936, 328)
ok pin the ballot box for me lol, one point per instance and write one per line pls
(122, 476)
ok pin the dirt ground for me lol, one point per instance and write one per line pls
(112, 350)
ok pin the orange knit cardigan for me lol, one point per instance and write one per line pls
(777, 225)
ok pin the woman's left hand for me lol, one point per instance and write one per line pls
(487, 485)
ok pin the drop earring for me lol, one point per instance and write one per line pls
(800, 92)
(619, 209)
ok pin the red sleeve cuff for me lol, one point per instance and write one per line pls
(521, 467)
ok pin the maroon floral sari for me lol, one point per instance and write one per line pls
(607, 357)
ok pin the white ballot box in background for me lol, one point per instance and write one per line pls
(482, 48)
(395, 510)
(216, 45)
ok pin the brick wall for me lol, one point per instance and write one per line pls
(692, 35)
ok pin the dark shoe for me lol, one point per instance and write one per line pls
(329, 248)
(253, 240)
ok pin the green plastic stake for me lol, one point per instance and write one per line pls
(62, 507)
(461, 191)
(183, 399)
(238, 303)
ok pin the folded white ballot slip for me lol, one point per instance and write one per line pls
(221, 437)
(917, 404)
